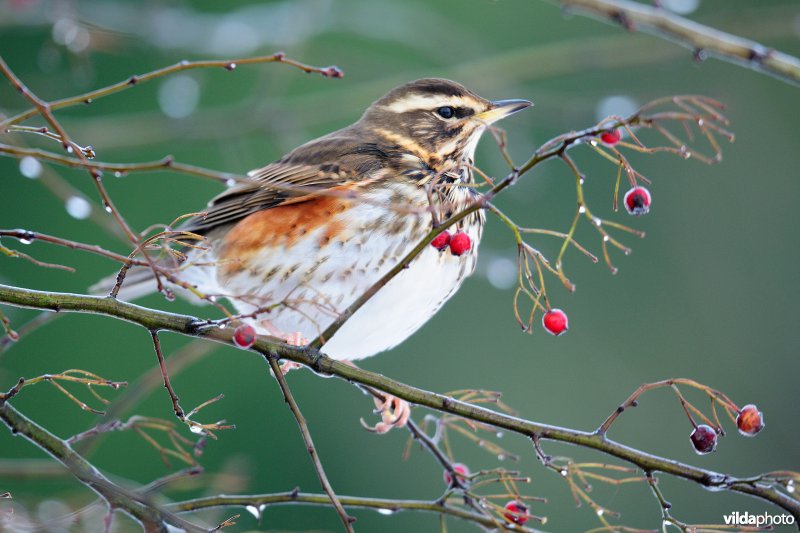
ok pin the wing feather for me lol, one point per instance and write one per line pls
(319, 165)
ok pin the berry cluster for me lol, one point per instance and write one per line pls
(459, 242)
(750, 421)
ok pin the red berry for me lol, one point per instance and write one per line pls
(441, 241)
(517, 512)
(461, 470)
(555, 321)
(244, 336)
(704, 439)
(611, 137)
(637, 201)
(460, 243)
(750, 420)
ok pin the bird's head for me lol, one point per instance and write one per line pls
(437, 119)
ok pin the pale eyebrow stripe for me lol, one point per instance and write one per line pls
(420, 101)
(404, 142)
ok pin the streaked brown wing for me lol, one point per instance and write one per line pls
(319, 165)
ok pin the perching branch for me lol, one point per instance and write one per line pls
(703, 40)
(195, 327)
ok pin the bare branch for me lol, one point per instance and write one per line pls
(703, 40)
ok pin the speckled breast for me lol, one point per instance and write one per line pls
(308, 262)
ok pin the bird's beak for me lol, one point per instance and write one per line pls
(501, 109)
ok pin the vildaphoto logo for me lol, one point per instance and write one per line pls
(760, 520)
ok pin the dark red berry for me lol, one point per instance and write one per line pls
(637, 201)
(704, 439)
(441, 241)
(555, 321)
(460, 243)
(244, 336)
(517, 512)
(611, 137)
(750, 420)
(462, 471)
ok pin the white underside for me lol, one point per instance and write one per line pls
(403, 305)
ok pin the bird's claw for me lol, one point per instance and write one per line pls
(296, 339)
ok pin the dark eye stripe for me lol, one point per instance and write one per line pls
(453, 132)
(447, 112)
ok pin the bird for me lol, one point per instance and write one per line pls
(295, 244)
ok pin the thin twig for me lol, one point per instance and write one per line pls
(167, 385)
(227, 64)
(347, 520)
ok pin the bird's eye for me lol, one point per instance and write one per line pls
(446, 112)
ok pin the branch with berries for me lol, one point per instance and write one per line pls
(775, 488)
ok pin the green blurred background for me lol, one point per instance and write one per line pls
(710, 294)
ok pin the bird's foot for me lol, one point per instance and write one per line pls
(292, 339)
(394, 413)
